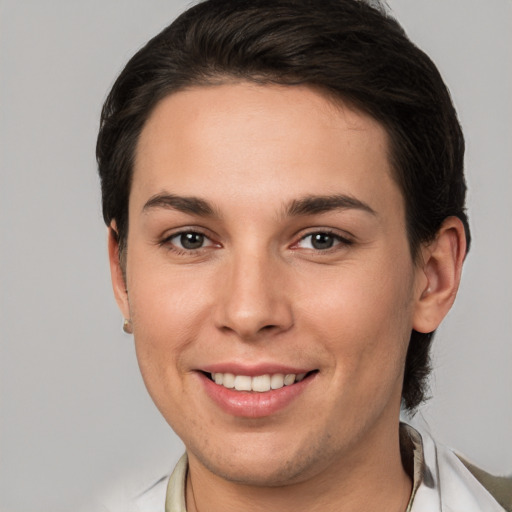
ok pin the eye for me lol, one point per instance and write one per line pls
(189, 241)
(321, 241)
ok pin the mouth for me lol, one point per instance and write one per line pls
(257, 383)
(255, 391)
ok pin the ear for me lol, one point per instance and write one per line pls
(439, 274)
(116, 272)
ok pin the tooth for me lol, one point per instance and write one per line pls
(243, 383)
(277, 381)
(289, 379)
(228, 380)
(261, 383)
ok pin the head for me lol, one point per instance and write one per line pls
(348, 51)
(283, 186)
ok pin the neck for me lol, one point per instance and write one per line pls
(364, 479)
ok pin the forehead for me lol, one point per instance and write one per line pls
(259, 143)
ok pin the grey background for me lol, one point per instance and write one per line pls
(74, 416)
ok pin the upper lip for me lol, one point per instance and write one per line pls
(253, 370)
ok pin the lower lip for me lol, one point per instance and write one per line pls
(253, 404)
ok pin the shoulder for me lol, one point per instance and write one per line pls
(153, 498)
(455, 484)
(167, 494)
(500, 487)
(144, 492)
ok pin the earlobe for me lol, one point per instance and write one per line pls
(116, 271)
(439, 275)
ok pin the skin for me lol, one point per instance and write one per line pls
(259, 291)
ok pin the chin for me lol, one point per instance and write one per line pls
(258, 473)
(264, 462)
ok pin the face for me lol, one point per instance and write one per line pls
(270, 283)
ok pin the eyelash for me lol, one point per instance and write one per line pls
(167, 241)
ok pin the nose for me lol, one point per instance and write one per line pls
(254, 302)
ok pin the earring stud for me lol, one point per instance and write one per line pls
(127, 326)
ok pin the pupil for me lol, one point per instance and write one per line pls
(322, 241)
(192, 240)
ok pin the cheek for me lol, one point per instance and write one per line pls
(363, 317)
(168, 309)
(168, 312)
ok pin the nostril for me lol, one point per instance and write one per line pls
(252, 319)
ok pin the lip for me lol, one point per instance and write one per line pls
(250, 404)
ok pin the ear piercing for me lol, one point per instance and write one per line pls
(127, 326)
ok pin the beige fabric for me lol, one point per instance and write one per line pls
(407, 433)
(175, 498)
(499, 486)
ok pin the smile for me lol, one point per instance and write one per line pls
(258, 383)
(260, 394)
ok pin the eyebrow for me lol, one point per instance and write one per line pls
(192, 205)
(308, 205)
(313, 205)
